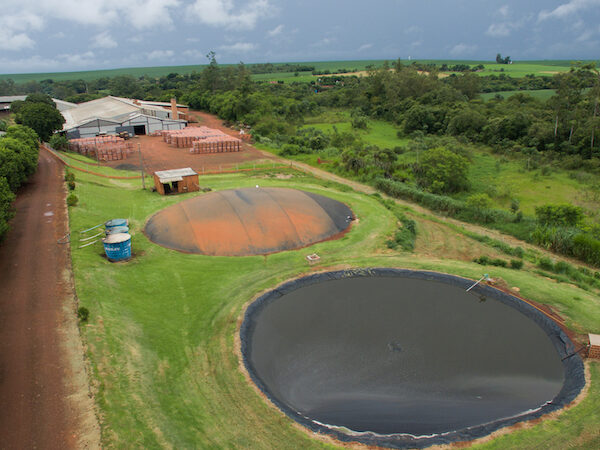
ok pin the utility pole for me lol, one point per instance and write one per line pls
(142, 167)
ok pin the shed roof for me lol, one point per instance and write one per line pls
(594, 339)
(60, 104)
(106, 108)
(168, 176)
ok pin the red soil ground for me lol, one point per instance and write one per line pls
(158, 155)
(40, 387)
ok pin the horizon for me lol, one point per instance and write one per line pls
(51, 36)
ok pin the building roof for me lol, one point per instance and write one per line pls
(115, 109)
(594, 339)
(61, 105)
(168, 176)
(164, 104)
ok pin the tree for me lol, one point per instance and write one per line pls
(442, 171)
(42, 118)
(6, 208)
(501, 60)
(562, 215)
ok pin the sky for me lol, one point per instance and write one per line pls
(68, 35)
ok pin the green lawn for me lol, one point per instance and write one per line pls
(162, 327)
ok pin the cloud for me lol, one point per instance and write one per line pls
(364, 47)
(79, 59)
(503, 11)
(103, 40)
(138, 13)
(224, 13)
(275, 31)
(462, 49)
(498, 30)
(567, 9)
(160, 54)
(238, 47)
(14, 29)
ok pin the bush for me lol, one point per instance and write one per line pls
(487, 261)
(72, 200)
(546, 264)
(71, 185)
(6, 207)
(83, 313)
(59, 142)
(69, 176)
(516, 264)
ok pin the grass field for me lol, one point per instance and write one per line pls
(162, 327)
(159, 71)
(517, 69)
(503, 179)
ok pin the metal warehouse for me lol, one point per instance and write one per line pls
(113, 115)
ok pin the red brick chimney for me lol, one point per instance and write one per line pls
(174, 112)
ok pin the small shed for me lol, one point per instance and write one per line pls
(594, 348)
(176, 181)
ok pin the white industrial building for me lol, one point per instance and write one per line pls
(112, 115)
(5, 102)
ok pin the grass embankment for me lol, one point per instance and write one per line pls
(161, 329)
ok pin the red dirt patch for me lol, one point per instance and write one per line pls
(158, 155)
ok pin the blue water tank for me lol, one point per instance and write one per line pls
(117, 246)
(119, 229)
(116, 223)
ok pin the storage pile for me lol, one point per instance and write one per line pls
(105, 148)
(202, 140)
(216, 145)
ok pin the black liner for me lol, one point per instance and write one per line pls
(573, 366)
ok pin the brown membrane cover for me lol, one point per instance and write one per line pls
(249, 221)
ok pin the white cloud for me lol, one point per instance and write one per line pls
(79, 60)
(364, 47)
(275, 31)
(498, 30)
(238, 47)
(160, 55)
(103, 40)
(462, 49)
(224, 13)
(138, 13)
(14, 29)
(567, 9)
(503, 11)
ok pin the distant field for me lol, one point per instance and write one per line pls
(159, 71)
(517, 69)
(540, 94)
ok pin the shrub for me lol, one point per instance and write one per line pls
(546, 264)
(69, 176)
(83, 313)
(59, 142)
(71, 185)
(487, 261)
(72, 200)
(516, 264)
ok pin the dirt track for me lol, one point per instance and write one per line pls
(43, 387)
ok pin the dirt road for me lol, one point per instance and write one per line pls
(43, 389)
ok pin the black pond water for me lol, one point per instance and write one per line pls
(399, 355)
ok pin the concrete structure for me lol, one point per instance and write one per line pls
(594, 348)
(176, 181)
(112, 115)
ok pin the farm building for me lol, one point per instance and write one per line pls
(6, 101)
(113, 115)
(176, 181)
(594, 346)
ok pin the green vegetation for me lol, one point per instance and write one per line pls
(161, 328)
(18, 161)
